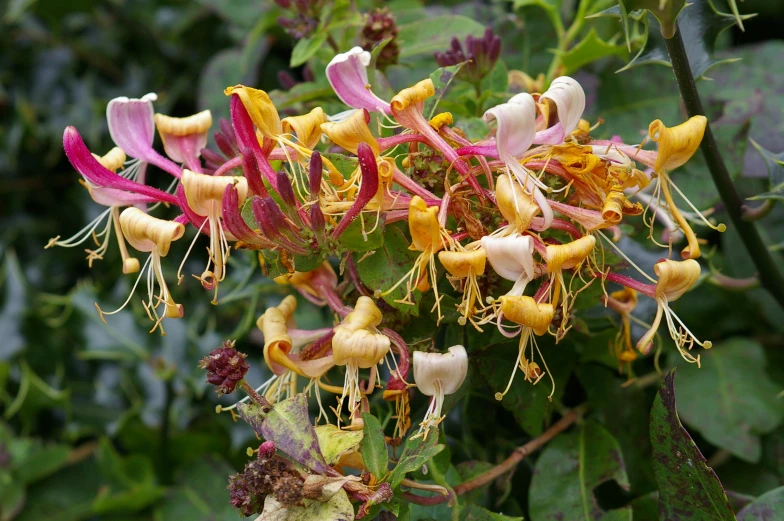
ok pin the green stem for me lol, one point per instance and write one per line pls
(768, 272)
(565, 38)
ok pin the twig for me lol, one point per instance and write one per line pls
(505, 466)
(769, 274)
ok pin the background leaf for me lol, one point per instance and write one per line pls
(687, 486)
(568, 471)
(373, 447)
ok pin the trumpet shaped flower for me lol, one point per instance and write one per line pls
(438, 375)
(569, 99)
(184, 138)
(466, 265)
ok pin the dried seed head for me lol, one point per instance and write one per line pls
(225, 367)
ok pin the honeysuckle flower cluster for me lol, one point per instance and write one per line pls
(536, 203)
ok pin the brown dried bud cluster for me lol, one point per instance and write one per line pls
(379, 25)
(249, 488)
(225, 367)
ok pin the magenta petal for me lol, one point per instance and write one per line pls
(115, 197)
(232, 219)
(95, 173)
(245, 133)
(478, 150)
(315, 174)
(347, 73)
(195, 219)
(252, 173)
(368, 190)
(132, 127)
(271, 221)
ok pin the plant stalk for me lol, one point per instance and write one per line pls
(769, 274)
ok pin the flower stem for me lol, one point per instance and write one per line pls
(505, 466)
(770, 276)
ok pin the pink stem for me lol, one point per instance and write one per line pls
(410, 185)
(229, 165)
(645, 289)
(385, 143)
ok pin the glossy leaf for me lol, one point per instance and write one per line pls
(441, 78)
(767, 507)
(307, 47)
(374, 447)
(568, 471)
(688, 487)
(775, 166)
(665, 11)
(588, 50)
(416, 453)
(730, 400)
(384, 268)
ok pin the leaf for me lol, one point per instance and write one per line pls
(665, 11)
(775, 166)
(551, 7)
(767, 507)
(428, 36)
(646, 508)
(441, 79)
(287, 424)
(568, 471)
(700, 26)
(475, 512)
(306, 48)
(386, 266)
(334, 441)
(530, 404)
(200, 493)
(338, 508)
(731, 400)
(624, 412)
(416, 453)
(13, 308)
(688, 488)
(588, 50)
(373, 447)
(355, 240)
(239, 12)
(132, 483)
(57, 498)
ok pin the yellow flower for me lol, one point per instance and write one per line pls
(351, 132)
(307, 127)
(466, 265)
(261, 110)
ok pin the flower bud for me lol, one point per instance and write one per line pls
(449, 369)
(225, 367)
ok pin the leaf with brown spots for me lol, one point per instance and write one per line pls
(688, 487)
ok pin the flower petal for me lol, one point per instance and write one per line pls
(347, 73)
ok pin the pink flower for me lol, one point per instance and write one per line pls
(347, 73)
(569, 99)
(132, 128)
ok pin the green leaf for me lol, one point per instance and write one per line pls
(700, 24)
(688, 488)
(730, 399)
(476, 513)
(588, 50)
(568, 471)
(383, 268)
(354, 239)
(775, 165)
(646, 508)
(552, 9)
(530, 404)
(132, 484)
(767, 507)
(200, 493)
(346, 165)
(240, 12)
(39, 461)
(665, 11)
(13, 308)
(374, 447)
(334, 441)
(12, 498)
(624, 412)
(287, 424)
(441, 79)
(57, 498)
(428, 35)
(416, 453)
(306, 48)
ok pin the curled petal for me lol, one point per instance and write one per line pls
(528, 312)
(246, 138)
(96, 174)
(569, 99)
(307, 127)
(261, 111)
(183, 138)
(677, 144)
(367, 191)
(147, 233)
(132, 128)
(450, 369)
(569, 255)
(675, 277)
(511, 256)
(347, 73)
(516, 122)
(352, 131)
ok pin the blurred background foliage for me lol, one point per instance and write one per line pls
(104, 421)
